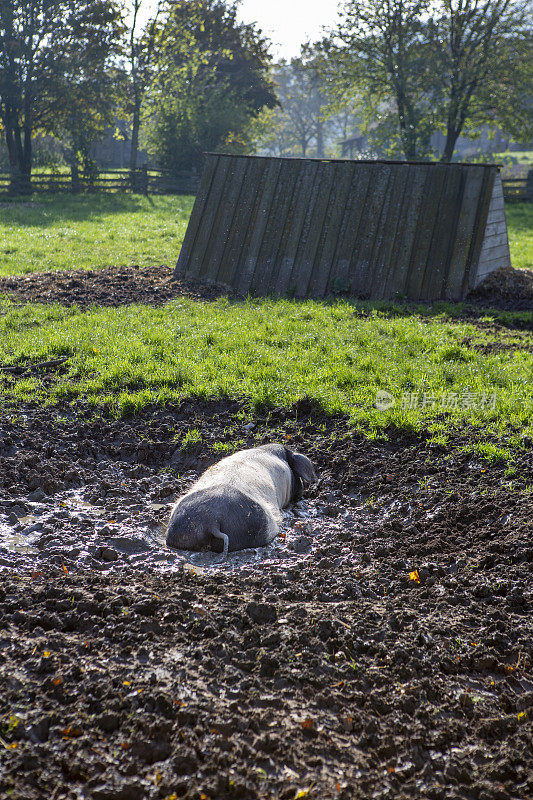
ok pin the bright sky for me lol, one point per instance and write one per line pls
(288, 23)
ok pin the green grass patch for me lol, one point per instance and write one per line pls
(62, 232)
(520, 227)
(272, 353)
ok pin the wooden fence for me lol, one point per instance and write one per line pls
(143, 181)
(312, 228)
(519, 188)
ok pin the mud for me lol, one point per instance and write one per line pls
(380, 648)
(113, 286)
(509, 289)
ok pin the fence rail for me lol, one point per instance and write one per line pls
(519, 188)
(143, 181)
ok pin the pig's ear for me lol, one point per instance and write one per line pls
(301, 466)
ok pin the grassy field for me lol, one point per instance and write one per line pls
(91, 231)
(442, 373)
(272, 353)
(520, 226)
(95, 231)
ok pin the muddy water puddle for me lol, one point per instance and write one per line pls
(77, 532)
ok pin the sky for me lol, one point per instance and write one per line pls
(288, 23)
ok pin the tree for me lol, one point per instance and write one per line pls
(377, 60)
(211, 81)
(478, 45)
(415, 66)
(141, 51)
(299, 123)
(55, 57)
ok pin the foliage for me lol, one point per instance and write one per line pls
(482, 66)
(55, 72)
(378, 62)
(413, 67)
(141, 62)
(299, 120)
(211, 82)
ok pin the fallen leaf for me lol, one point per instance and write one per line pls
(414, 576)
(302, 793)
(57, 681)
(308, 724)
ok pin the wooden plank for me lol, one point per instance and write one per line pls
(385, 256)
(302, 266)
(248, 265)
(196, 215)
(331, 231)
(280, 226)
(308, 250)
(472, 185)
(360, 264)
(397, 277)
(267, 264)
(289, 213)
(498, 237)
(240, 231)
(209, 216)
(476, 243)
(304, 185)
(354, 211)
(224, 218)
(427, 222)
(443, 235)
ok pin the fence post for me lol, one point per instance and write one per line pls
(75, 178)
(529, 186)
(144, 179)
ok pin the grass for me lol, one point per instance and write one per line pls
(265, 352)
(61, 232)
(271, 353)
(520, 227)
(95, 231)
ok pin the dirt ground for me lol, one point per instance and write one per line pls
(508, 289)
(382, 648)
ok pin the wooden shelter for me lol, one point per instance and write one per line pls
(373, 229)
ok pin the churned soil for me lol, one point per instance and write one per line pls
(509, 289)
(385, 653)
(113, 286)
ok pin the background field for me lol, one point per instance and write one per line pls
(102, 230)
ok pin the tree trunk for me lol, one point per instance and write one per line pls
(136, 122)
(319, 139)
(19, 157)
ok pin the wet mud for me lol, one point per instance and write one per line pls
(379, 648)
